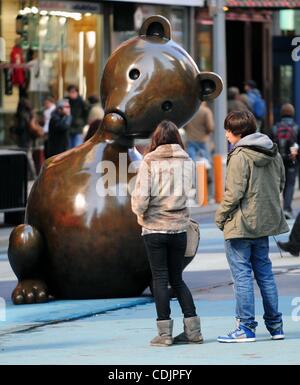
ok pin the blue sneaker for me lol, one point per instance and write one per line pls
(240, 334)
(277, 334)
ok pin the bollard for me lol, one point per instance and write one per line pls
(202, 191)
(218, 177)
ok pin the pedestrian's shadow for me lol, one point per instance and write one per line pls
(259, 338)
(289, 336)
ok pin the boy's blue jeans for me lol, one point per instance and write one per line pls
(196, 149)
(245, 255)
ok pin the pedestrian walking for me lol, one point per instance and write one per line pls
(199, 140)
(22, 119)
(49, 108)
(249, 213)
(79, 112)
(235, 102)
(162, 212)
(257, 103)
(59, 126)
(22, 129)
(199, 131)
(286, 134)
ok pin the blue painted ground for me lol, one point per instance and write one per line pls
(29, 316)
(122, 337)
(118, 331)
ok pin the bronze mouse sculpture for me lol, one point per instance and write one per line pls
(77, 243)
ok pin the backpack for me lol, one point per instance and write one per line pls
(259, 107)
(285, 136)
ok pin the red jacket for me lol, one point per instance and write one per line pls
(16, 57)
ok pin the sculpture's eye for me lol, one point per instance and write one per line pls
(167, 106)
(134, 74)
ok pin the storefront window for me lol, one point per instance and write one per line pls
(297, 22)
(127, 20)
(58, 43)
(204, 47)
(69, 53)
(203, 44)
(286, 83)
(287, 20)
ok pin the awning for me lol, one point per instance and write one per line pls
(263, 3)
(187, 3)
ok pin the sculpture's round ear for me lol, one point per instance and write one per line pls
(210, 85)
(156, 26)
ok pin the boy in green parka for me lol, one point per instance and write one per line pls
(249, 213)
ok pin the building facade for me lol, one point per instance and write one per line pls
(269, 29)
(52, 44)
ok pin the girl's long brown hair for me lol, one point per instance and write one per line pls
(165, 133)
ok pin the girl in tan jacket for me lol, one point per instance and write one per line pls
(159, 201)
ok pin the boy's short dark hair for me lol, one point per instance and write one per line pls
(240, 123)
(72, 87)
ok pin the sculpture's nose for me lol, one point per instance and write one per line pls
(115, 123)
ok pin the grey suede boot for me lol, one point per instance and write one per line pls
(192, 332)
(165, 329)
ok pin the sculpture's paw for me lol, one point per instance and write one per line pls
(30, 291)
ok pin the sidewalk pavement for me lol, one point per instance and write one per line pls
(122, 338)
(118, 331)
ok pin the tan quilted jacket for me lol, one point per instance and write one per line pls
(163, 185)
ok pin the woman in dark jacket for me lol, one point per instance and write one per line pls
(160, 202)
(23, 118)
(79, 112)
(59, 126)
(22, 132)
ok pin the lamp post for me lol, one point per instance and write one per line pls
(216, 8)
(219, 66)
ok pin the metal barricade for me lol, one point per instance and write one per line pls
(13, 185)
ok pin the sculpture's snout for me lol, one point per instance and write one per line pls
(114, 123)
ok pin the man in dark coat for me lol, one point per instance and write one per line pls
(79, 112)
(286, 135)
(293, 244)
(59, 126)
